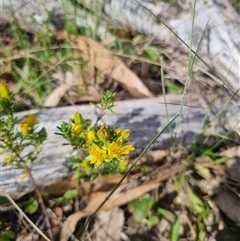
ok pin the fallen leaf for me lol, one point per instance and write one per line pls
(105, 61)
(53, 99)
(106, 183)
(117, 199)
(233, 164)
(67, 80)
(231, 152)
(109, 225)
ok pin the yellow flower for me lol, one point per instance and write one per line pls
(85, 163)
(30, 120)
(97, 155)
(115, 150)
(25, 128)
(4, 91)
(91, 135)
(76, 129)
(28, 124)
(103, 133)
(123, 135)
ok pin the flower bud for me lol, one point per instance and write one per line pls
(4, 91)
(76, 129)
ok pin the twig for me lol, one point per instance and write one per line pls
(38, 194)
(39, 197)
(25, 216)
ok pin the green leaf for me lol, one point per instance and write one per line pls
(111, 111)
(95, 105)
(152, 221)
(137, 39)
(179, 181)
(69, 194)
(210, 153)
(201, 233)
(143, 168)
(203, 171)
(172, 88)
(32, 206)
(163, 212)
(195, 204)
(152, 53)
(7, 236)
(220, 160)
(175, 230)
(141, 207)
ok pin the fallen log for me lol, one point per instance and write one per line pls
(144, 117)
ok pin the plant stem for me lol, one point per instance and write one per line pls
(25, 216)
(38, 194)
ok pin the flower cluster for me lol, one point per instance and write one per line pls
(14, 142)
(105, 147)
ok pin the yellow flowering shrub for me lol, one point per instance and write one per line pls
(103, 143)
(14, 141)
(104, 148)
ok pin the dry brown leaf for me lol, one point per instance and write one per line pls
(117, 199)
(231, 152)
(156, 156)
(233, 164)
(66, 80)
(55, 96)
(106, 183)
(109, 225)
(109, 64)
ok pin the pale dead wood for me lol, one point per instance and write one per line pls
(144, 117)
